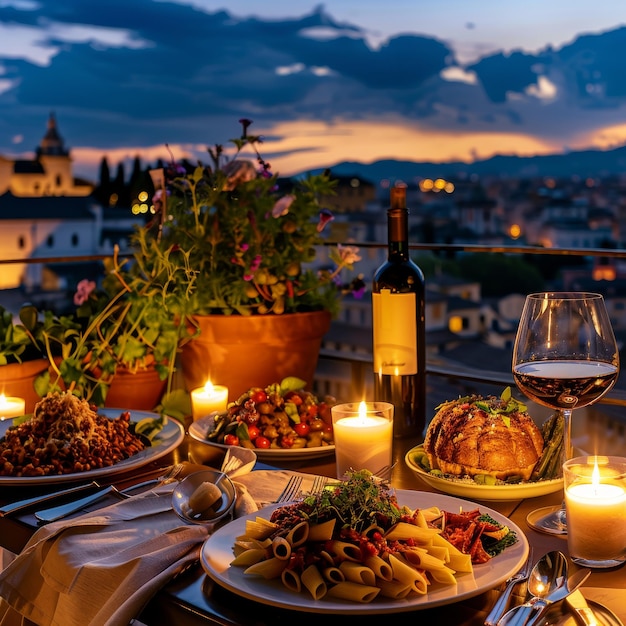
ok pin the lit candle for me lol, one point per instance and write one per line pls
(207, 399)
(595, 500)
(363, 436)
(11, 406)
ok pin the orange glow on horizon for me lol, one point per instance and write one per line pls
(309, 145)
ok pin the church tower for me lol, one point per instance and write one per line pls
(56, 162)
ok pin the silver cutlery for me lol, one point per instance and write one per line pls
(59, 512)
(20, 505)
(500, 607)
(291, 490)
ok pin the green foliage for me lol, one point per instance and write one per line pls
(227, 241)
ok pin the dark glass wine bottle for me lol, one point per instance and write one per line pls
(398, 322)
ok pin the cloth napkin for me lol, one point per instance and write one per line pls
(101, 568)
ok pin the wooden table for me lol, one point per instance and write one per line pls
(193, 599)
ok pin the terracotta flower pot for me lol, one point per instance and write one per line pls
(141, 390)
(16, 379)
(242, 352)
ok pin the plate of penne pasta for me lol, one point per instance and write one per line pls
(354, 581)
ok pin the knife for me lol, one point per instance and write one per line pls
(583, 612)
(14, 507)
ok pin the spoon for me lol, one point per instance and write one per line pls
(547, 583)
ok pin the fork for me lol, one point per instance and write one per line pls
(291, 490)
(499, 608)
(319, 482)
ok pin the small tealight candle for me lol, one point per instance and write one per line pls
(595, 501)
(363, 436)
(11, 406)
(207, 399)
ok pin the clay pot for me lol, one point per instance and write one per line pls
(253, 351)
(17, 379)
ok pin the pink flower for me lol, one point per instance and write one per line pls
(325, 217)
(83, 290)
(282, 206)
(349, 254)
(238, 172)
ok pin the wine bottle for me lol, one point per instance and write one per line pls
(398, 322)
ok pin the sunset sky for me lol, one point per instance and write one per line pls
(344, 81)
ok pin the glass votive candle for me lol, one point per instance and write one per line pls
(595, 506)
(208, 399)
(363, 435)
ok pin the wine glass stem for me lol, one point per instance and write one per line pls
(568, 451)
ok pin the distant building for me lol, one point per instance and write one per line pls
(46, 212)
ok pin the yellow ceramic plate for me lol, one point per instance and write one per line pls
(470, 489)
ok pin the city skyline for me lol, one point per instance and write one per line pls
(323, 84)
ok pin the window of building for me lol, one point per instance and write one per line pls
(21, 242)
(50, 241)
(74, 240)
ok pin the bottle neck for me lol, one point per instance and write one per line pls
(398, 234)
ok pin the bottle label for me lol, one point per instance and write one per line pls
(395, 334)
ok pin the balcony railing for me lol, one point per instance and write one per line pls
(360, 365)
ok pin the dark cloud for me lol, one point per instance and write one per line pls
(184, 75)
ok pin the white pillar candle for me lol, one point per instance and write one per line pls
(11, 406)
(207, 399)
(363, 436)
(595, 500)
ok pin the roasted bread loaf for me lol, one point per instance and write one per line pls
(491, 436)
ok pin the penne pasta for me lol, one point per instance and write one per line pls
(355, 592)
(403, 531)
(343, 550)
(259, 528)
(358, 573)
(444, 575)
(313, 581)
(380, 567)
(333, 575)
(408, 575)
(291, 580)
(298, 534)
(393, 589)
(270, 568)
(281, 548)
(322, 532)
(249, 557)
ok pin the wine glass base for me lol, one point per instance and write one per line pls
(549, 520)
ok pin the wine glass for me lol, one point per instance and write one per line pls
(565, 357)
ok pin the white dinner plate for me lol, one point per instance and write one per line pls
(470, 489)
(217, 553)
(199, 428)
(167, 440)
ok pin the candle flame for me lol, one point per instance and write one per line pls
(362, 410)
(208, 388)
(595, 474)
(3, 399)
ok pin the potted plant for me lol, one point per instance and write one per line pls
(124, 351)
(232, 248)
(23, 354)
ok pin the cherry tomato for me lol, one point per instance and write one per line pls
(253, 432)
(286, 442)
(302, 429)
(258, 396)
(231, 440)
(262, 442)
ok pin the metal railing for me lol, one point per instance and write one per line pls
(361, 364)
